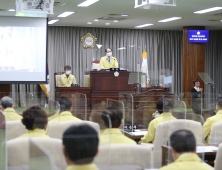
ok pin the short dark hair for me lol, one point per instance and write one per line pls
(65, 104)
(219, 102)
(107, 49)
(164, 105)
(6, 102)
(35, 117)
(196, 80)
(67, 67)
(183, 141)
(115, 116)
(81, 143)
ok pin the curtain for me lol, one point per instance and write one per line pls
(164, 52)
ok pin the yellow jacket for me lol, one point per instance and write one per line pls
(11, 114)
(187, 161)
(104, 62)
(150, 136)
(64, 116)
(34, 133)
(209, 123)
(82, 167)
(54, 116)
(65, 82)
(114, 136)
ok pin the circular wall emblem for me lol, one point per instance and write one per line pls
(88, 41)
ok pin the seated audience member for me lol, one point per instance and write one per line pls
(56, 114)
(212, 120)
(7, 107)
(183, 146)
(80, 146)
(67, 78)
(35, 120)
(164, 107)
(65, 114)
(114, 135)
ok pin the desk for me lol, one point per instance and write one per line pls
(136, 138)
(168, 158)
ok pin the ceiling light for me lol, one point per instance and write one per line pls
(115, 21)
(208, 10)
(99, 46)
(170, 19)
(122, 48)
(124, 15)
(89, 22)
(87, 3)
(144, 25)
(62, 4)
(107, 23)
(11, 10)
(96, 19)
(53, 21)
(220, 20)
(65, 14)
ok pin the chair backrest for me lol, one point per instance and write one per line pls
(96, 66)
(165, 129)
(218, 162)
(121, 156)
(56, 130)
(56, 78)
(216, 133)
(15, 129)
(19, 151)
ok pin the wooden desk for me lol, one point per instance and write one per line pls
(136, 138)
(168, 158)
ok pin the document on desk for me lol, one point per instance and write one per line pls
(202, 149)
(138, 133)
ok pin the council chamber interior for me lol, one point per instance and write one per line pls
(99, 84)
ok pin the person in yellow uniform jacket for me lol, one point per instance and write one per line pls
(108, 61)
(35, 120)
(65, 114)
(113, 135)
(80, 146)
(183, 146)
(8, 109)
(206, 129)
(67, 78)
(163, 106)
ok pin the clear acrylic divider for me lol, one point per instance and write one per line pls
(81, 106)
(3, 139)
(39, 157)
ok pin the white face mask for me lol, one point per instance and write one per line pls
(68, 72)
(109, 54)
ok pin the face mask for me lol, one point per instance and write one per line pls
(68, 72)
(109, 54)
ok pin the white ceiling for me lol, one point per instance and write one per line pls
(103, 8)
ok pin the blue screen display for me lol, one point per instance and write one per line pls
(198, 36)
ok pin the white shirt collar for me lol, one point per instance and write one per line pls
(197, 89)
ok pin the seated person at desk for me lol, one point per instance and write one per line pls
(183, 146)
(212, 120)
(7, 107)
(108, 61)
(35, 120)
(65, 114)
(164, 107)
(113, 135)
(80, 146)
(67, 78)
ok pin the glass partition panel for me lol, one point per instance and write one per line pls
(3, 151)
(39, 157)
(80, 106)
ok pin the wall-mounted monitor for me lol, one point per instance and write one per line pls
(198, 36)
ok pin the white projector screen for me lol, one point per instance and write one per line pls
(23, 50)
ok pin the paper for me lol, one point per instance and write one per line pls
(202, 149)
(141, 133)
(168, 80)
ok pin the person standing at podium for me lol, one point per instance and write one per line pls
(67, 78)
(108, 61)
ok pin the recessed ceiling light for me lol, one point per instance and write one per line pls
(11, 10)
(96, 19)
(115, 21)
(89, 22)
(208, 10)
(65, 14)
(53, 21)
(124, 15)
(170, 19)
(87, 3)
(62, 4)
(144, 25)
(220, 20)
(107, 23)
